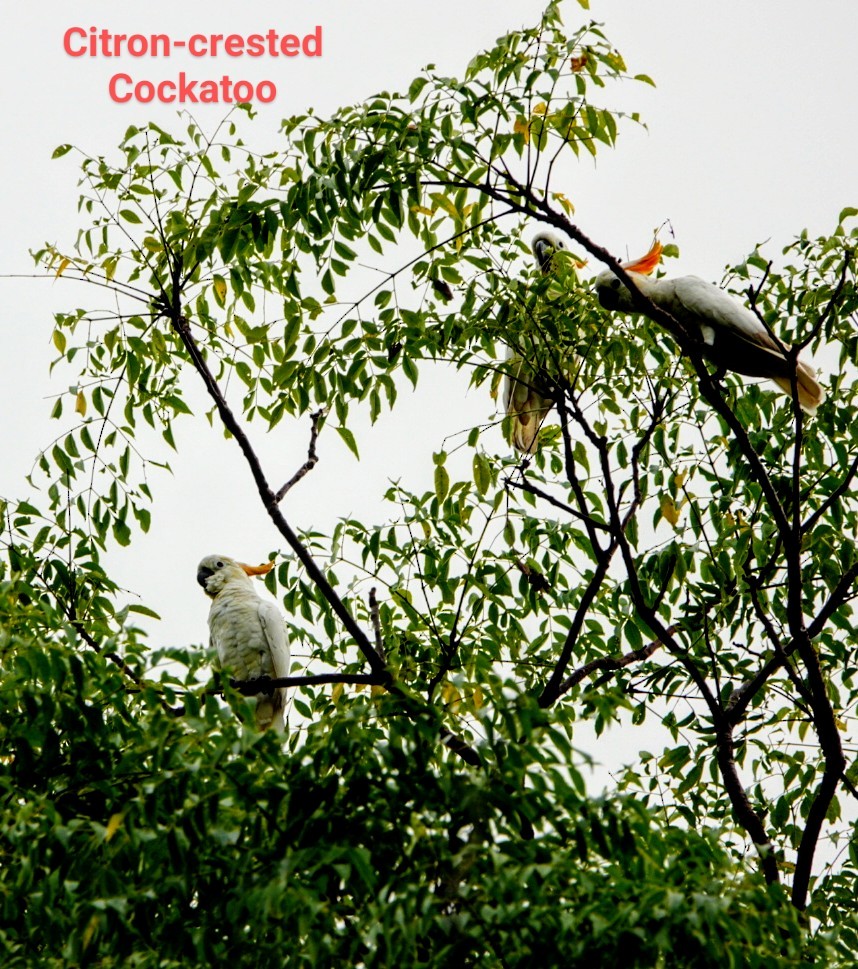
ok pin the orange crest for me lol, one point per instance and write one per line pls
(646, 264)
(257, 569)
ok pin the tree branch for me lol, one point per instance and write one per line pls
(525, 485)
(312, 457)
(834, 601)
(835, 764)
(268, 684)
(376, 622)
(833, 498)
(835, 296)
(611, 663)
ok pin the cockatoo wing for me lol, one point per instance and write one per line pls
(275, 635)
(738, 341)
(524, 405)
(720, 316)
(269, 710)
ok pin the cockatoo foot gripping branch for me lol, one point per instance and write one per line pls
(246, 631)
(732, 336)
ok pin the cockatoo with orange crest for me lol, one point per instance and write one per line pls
(247, 631)
(733, 337)
(525, 400)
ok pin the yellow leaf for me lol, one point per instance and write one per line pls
(679, 478)
(446, 204)
(421, 210)
(59, 339)
(477, 698)
(451, 696)
(88, 932)
(219, 284)
(565, 204)
(522, 127)
(113, 826)
(377, 691)
(540, 108)
(64, 264)
(669, 509)
(80, 403)
(337, 692)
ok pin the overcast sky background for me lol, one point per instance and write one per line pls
(752, 136)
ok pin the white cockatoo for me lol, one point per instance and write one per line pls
(733, 337)
(246, 630)
(524, 402)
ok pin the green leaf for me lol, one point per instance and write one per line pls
(121, 532)
(349, 438)
(143, 611)
(482, 473)
(442, 482)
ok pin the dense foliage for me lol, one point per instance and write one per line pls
(681, 548)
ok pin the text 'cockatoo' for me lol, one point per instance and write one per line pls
(733, 337)
(247, 631)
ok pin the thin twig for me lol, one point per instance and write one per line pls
(525, 485)
(611, 663)
(312, 457)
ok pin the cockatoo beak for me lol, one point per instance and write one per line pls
(544, 252)
(646, 264)
(256, 569)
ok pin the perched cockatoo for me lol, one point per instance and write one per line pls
(733, 337)
(246, 630)
(523, 399)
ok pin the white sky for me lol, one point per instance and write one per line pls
(752, 136)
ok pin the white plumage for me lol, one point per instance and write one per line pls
(733, 337)
(525, 403)
(246, 631)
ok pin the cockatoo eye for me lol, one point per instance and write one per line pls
(220, 565)
(615, 284)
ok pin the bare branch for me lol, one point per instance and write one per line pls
(312, 457)
(742, 807)
(611, 663)
(835, 296)
(268, 684)
(833, 498)
(376, 622)
(525, 485)
(834, 602)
